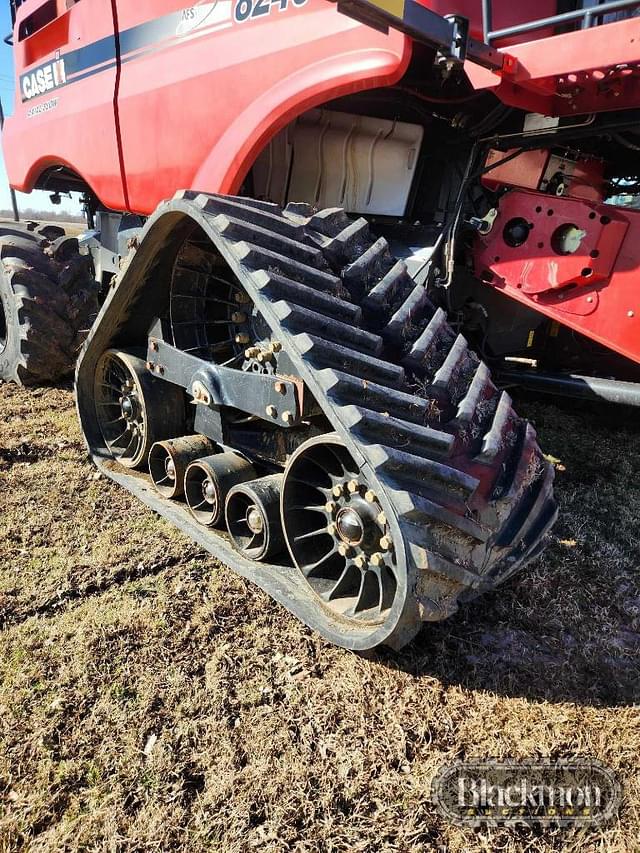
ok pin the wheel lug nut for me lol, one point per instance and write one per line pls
(337, 491)
(377, 559)
(332, 529)
(361, 561)
(353, 486)
(381, 519)
(331, 506)
(344, 550)
(370, 497)
(385, 543)
(272, 411)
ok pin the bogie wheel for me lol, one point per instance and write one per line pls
(134, 410)
(337, 532)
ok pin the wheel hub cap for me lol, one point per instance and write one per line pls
(127, 407)
(254, 520)
(350, 526)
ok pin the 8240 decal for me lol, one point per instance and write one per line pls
(245, 10)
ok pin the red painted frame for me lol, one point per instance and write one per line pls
(593, 290)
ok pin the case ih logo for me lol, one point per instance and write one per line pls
(44, 79)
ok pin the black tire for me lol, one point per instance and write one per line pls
(48, 301)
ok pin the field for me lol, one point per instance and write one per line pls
(152, 700)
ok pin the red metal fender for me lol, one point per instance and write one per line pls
(342, 74)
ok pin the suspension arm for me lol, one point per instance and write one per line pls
(267, 396)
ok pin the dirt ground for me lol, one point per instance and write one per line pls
(152, 700)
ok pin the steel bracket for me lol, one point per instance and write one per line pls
(265, 395)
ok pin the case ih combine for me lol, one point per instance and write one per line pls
(363, 198)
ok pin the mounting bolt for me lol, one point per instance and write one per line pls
(275, 346)
(154, 346)
(630, 314)
(160, 370)
(264, 355)
(353, 486)
(238, 317)
(344, 550)
(330, 506)
(382, 519)
(272, 411)
(200, 393)
(377, 559)
(252, 352)
(370, 497)
(385, 543)
(150, 365)
(242, 338)
(337, 491)
(332, 529)
(288, 417)
(361, 561)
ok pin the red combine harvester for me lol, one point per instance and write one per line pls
(364, 196)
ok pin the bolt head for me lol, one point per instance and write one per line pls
(631, 314)
(242, 338)
(238, 317)
(337, 491)
(386, 543)
(344, 550)
(370, 497)
(332, 529)
(288, 417)
(272, 411)
(281, 388)
(331, 506)
(361, 561)
(381, 519)
(377, 559)
(353, 486)
(275, 346)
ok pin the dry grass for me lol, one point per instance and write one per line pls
(151, 700)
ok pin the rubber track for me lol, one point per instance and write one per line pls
(471, 489)
(49, 299)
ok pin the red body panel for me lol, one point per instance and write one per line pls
(80, 131)
(195, 104)
(590, 70)
(593, 290)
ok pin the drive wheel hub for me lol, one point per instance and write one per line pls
(337, 532)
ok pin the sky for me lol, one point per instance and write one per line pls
(36, 200)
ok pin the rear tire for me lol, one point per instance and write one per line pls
(48, 300)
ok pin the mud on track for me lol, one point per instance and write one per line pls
(150, 699)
